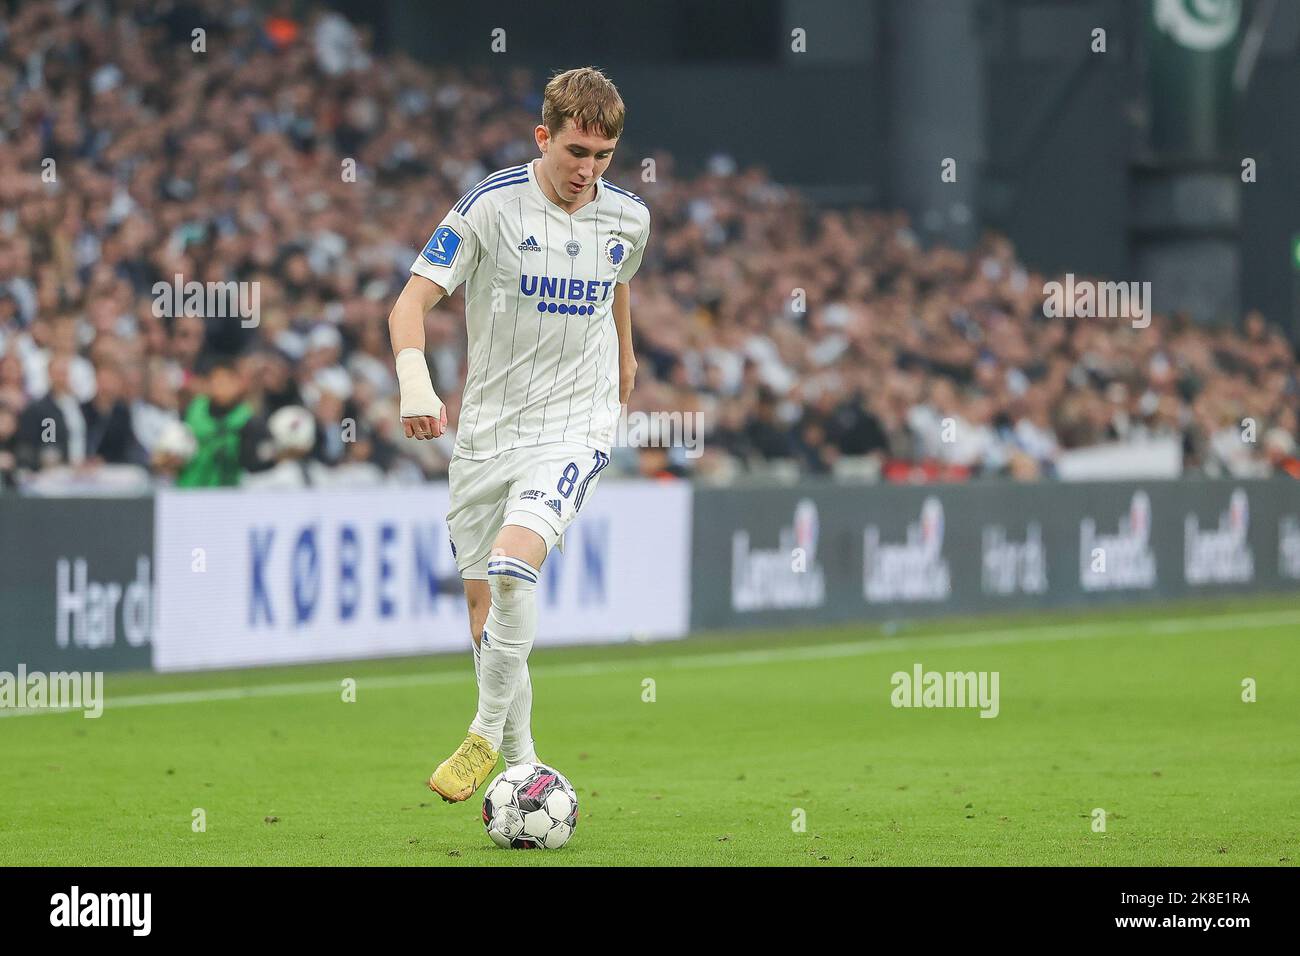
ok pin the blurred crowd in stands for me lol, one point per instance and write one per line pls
(290, 154)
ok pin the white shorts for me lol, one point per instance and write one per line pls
(541, 487)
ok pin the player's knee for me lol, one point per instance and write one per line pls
(502, 586)
(509, 577)
(507, 586)
(523, 543)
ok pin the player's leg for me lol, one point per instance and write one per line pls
(512, 571)
(478, 493)
(517, 739)
(477, 597)
(542, 502)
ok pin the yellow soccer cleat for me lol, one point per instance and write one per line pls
(463, 772)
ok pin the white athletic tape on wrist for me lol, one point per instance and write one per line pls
(418, 396)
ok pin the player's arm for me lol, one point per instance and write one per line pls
(423, 413)
(448, 258)
(623, 326)
(623, 316)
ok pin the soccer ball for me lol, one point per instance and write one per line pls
(529, 807)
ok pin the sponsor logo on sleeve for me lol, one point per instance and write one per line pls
(442, 246)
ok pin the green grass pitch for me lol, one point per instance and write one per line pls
(1138, 712)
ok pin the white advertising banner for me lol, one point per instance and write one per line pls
(1158, 458)
(247, 578)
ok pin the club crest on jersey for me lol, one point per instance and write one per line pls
(572, 247)
(442, 246)
(530, 245)
(615, 250)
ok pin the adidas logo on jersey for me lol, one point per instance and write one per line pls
(530, 245)
(554, 505)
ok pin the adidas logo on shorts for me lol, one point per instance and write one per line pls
(554, 505)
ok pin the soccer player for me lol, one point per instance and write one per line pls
(546, 251)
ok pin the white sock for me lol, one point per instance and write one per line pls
(517, 742)
(517, 737)
(511, 627)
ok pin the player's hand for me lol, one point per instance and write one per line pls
(425, 427)
(423, 413)
(626, 379)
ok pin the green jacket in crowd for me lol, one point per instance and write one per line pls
(217, 461)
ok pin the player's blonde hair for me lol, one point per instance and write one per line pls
(586, 96)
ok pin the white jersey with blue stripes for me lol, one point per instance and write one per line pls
(539, 296)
